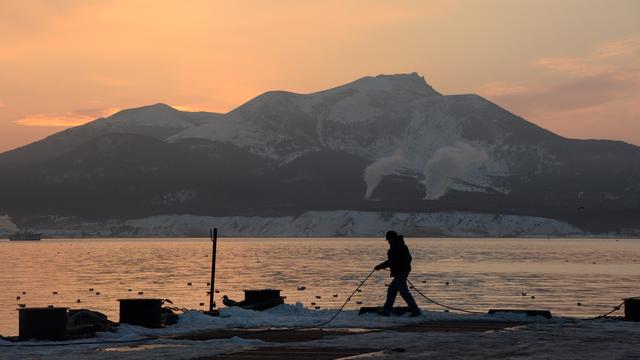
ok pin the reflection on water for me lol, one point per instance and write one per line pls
(481, 273)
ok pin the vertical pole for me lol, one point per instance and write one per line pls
(214, 239)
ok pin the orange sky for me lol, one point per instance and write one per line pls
(572, 66)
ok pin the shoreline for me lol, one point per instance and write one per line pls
(336, 237)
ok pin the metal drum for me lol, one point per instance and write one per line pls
(43, 323)
(257, 296)
(142, 312)
(632, 309)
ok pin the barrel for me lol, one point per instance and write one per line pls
(142, 312)
(43, 323)
(632, 309)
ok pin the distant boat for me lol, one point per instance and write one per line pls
(25, 236)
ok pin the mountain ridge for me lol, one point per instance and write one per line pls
(384, 143)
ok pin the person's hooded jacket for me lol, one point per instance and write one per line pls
(398, 257)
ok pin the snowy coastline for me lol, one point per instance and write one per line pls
(341, 223)
(565, 338)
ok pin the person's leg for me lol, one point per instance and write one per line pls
(401, 280)
(392, 291)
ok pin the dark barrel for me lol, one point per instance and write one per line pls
(632, 309)
(143, 312)
(46, 323)
(256, 296)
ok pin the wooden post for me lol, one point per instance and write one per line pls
(214, 239)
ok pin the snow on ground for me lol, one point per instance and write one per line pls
(321, 223)
(7, 227)
(357, 223)
(539, 339)
(564, 340)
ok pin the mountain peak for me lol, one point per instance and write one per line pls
(154, 108)
(159, 106)
(411, 82)
(156, 115)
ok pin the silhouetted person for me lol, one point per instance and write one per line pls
(399, 262)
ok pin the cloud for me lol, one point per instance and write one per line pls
(618, 48)
(67, 119)
(573, 66)
(600, 98)
(604, 106)
(54, 120)
(450, 163)
(577, 94)
(605, 58)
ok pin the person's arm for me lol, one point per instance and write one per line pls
(382, 265)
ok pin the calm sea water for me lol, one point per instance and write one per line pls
(481, 273)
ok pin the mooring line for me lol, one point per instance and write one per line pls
(345, 303)
(615, 308)
(315, 326)
(442, 305)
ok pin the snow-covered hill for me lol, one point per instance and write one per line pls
(397, 122)
(320, 224)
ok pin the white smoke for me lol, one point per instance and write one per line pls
(384, 166)
(449, 163)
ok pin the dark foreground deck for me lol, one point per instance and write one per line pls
(287, 353)
(294, 351)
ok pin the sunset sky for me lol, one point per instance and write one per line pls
(572, 66)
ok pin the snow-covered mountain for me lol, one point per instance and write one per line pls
(398, 123)
(158, 121)
(389, 143)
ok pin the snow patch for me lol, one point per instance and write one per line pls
(354, 108)
(7, 227)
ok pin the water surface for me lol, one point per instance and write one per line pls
(481, 273)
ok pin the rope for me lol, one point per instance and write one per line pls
(316, 326)
(343, 305)
(615, 308)
(442, 305)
